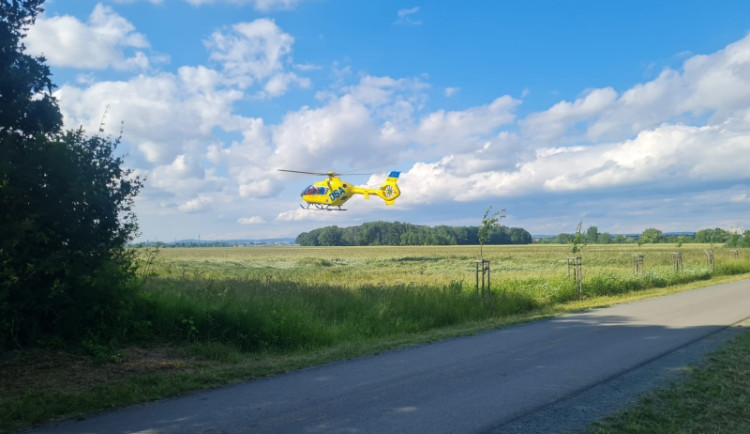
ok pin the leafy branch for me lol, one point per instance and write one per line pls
(579, 240)
(488, 222)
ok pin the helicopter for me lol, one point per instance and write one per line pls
(331, 193)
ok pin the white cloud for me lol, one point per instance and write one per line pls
(195, 205)
(305, 215)
(107, 40)
(261, 188)
(465, 130)
(164, 115)
(659, 129)
(549, 126)
(450, 91)
(255, 52)
(740, 198)
(407, 17)
(255, 220)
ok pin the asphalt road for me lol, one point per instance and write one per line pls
(526, 378)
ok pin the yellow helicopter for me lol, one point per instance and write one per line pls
(332, 193)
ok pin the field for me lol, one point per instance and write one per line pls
(290, 298)
(351, 267)
(209, 317)
(411, 265)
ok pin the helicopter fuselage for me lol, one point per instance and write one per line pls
(332, 193)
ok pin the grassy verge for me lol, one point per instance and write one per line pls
(39, 386)
(714, 398)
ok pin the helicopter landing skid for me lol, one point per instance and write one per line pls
(315, 207)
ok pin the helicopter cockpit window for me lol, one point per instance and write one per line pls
(312, 189)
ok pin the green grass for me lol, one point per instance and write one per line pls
(210, 317)
(715, 398)
(294, 298)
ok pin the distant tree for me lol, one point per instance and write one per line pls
(745, 241)
(604, 238)
(519, 236)
(329, 236)
(307, 239)
(592, 235)
(406, 234)
(733, 240)
(652, 235)
(619, 239)
(680, 240)
(712, 236)
(65, 208)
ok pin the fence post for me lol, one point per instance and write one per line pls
(574, 263)
(677, 261)
(710, 258)
(485, 267)
(638, 267)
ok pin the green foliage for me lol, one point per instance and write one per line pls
(488, 223)
(27, 106)
(716, 235)
(592, 235)
(407, 234)
(579, 241)
(65, 209)
(65, 216)
(651, 235)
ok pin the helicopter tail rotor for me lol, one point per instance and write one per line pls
(389, 191)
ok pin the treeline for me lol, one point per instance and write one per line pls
(407, 234)
(653, 235)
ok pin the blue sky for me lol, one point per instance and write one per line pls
(622, 115)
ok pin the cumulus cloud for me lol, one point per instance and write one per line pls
(258, 51)
(106, 40)
(195, 205)
(462, 130)
(658, 133)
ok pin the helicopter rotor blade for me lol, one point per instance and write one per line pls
(329, 174)
(307, 173)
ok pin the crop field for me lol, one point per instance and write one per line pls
(292, 298)
(416, 265)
